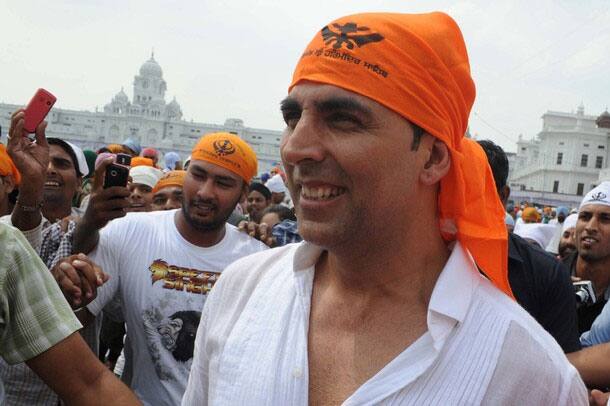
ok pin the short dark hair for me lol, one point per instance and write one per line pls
(283, 212)
(260, 188)
(64, 145)
(418, 132)
(497, 161)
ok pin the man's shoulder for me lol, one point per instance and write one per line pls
(244, 241)
(510, 313)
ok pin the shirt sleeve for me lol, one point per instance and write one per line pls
(34, 315)
(33, 236)
(560, 318)
(600, 330)
(107, 256)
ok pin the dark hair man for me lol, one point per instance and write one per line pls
(592, 259)
(259, 197)
(167, 193)
(164, 263)
(540, 283)
(567, 241)
(384, 301)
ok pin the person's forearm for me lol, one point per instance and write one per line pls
(26, 214)
(593, 365)
(85, 237)
(106, 389)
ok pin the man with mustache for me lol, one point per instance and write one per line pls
(385, 302)
(164, 263)
(591, 261)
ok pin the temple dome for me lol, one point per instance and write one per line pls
(151, 68)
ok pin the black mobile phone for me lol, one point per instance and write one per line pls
(123, 159)
(116, 175)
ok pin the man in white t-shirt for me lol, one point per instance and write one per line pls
(163, 264)
(384, 302)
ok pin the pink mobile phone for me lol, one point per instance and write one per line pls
(37, 109)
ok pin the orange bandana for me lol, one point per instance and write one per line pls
(530, 214)
(228, 151)
(417, 66)
(171, 178)
(141, 161)
(7, 167)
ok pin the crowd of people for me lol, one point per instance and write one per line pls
(381, 263)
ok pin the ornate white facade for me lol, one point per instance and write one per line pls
(564, 161)
(150, 120)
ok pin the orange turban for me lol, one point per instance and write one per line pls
(7, 167)
(417, 66)
(117, 149)
(530, 215)
(141, 161)
(228, 151)
(171, 178)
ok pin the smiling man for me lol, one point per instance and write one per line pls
(162, 264)
(591, 261)
(384, 302)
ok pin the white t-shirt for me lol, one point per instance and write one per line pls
(163, 281)
(481, 347)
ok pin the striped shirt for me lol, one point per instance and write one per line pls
(34, 316)
(480, 346)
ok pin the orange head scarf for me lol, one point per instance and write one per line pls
(171, 178)
(530, 215)
(7, 167)
(417, 66)
(141, 161)
(228, 151)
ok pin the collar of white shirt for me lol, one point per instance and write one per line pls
(449, 304)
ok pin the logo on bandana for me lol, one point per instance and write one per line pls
(348, 35)
(597, 197)
(223, 147)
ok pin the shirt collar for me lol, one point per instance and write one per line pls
(451, 296)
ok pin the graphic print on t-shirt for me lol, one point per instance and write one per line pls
(172, 316)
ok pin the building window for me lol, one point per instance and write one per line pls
(599, 161)
(586, 145)
(584, 160)
(579, 189)
(556, 186)
(561, 143)
(601, 147)
(523, 149)
(559, 158)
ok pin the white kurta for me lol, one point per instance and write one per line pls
(480, 347)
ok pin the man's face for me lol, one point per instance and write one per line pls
(349, 163)
(140, 198)
(168, 198)
(567, 243)
(210, 195)
(593, 232)
(277, 198)
(62, 183)
(256, 204)
(270, 219)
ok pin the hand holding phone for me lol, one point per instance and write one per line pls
(37, 109)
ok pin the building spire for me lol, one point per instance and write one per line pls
(152, 53)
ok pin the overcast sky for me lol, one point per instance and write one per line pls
(235, 58)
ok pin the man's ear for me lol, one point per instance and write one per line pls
(504, 194)
(438, 163)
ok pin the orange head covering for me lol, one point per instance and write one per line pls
(117, 149)
(7, 167)
(141, 161)
(530, 215)
(228, 151)
(171, 178)
(417, 66)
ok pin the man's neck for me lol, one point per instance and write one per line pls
(596, 272)
(56, 211)
(407, 270)
(197, 237)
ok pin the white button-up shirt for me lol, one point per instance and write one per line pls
(480, 346)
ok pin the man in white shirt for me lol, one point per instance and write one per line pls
(384, 302)
(163, 264)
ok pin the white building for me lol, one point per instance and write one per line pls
(564, 161)
(148, 119)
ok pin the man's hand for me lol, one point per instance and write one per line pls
(261, 232)
(30, 158)
(78, 278)
(599, 398)
(105, 204)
